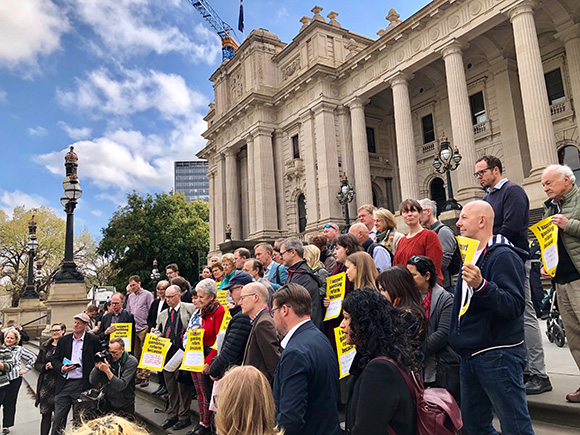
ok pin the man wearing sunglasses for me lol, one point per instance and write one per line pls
(511, 208)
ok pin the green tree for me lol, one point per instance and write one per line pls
(164, 227)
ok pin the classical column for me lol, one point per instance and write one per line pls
(265, 185)
(362, 166)
(251, 186)
(233, 195)
(461, 122)
(571, 39)
(327, 153)
(311, 194)
(541, 139)
(219, 209)
(516, 153)
(405, 140)
(212, 242)
(345, 146)
(279, 137)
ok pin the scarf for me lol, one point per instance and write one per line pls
(210, 308)
(427, 303)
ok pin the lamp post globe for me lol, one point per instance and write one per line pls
(444, 162)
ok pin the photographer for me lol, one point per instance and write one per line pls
(116, 371)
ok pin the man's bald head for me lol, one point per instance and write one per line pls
(476, 221)
(360, 231)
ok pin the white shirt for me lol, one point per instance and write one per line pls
(286, 339)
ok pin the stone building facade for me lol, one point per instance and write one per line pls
(495, 76)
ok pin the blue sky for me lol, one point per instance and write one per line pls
(126, 83)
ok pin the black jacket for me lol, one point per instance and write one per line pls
(234, 345)
(301, 274)
(91, 346)
(44, 356)
(378, 397)
(152, 317)
(124, 317)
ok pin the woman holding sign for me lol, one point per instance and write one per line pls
(378, 395)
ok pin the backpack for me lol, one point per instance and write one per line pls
(455, 263)
(437, 411)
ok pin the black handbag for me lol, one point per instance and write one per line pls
(447, 376)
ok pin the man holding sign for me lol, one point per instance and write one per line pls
(563, 206)
(489, 336)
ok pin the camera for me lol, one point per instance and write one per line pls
(102, 356)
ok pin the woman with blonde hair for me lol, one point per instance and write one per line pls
(229, 266)
(312, 257)
(361, 270)
(109, 425)
(245, 404)
(386, 226)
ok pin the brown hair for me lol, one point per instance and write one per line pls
(348, 242)
(92, 309)
(366, 270)
(368, 207)
(318, 240)
(181, 283)
(245, 404)
(173, 267)
(117, 340)
(294, 296)
(135, 278)
(217, 264)
(410, 205)
(269, 248)
(243, 252)
(257, 265)
(492, 162)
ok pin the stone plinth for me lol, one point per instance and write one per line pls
(64, 301)
(27, 311)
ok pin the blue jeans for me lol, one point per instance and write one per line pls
(494, 381)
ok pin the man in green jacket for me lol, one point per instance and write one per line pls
(563, 206)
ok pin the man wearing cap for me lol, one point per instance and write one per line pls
(237, 332)
(74, 359)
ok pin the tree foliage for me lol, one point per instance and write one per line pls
(164, 227)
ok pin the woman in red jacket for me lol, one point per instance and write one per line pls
(212, 315)
(419, 241)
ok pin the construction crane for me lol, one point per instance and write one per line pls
(230, 41)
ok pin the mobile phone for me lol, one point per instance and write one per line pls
(75, 365)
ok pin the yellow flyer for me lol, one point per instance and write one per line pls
(335, 289)
(154, 352)
(193, 359)
(225, 321)
(547, 234)
(123, 332)
(345, 352)
(222, 296)
(467, 248)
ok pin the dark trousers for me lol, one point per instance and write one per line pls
(127, 412)
(179, 397)
(63, 401)
(45, 423)
(10, 402)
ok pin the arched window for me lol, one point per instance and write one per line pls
(438, 194)
(569, 155)
(375, 198)
(301, 213)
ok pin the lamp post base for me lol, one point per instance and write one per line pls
(29, 293)
(69, 273)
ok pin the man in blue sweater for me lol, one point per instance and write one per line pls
(487, 328)
(511, 208)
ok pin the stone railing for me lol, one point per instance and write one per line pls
(428, 148)
(561, 109)
(481, 128)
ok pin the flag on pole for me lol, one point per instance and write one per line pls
(241, 20)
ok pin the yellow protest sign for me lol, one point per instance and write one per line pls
(123, 332)
(335, 289)
(467, 248)
(222, 296)
(345, 352)
(547, 234)
(154, 352)
(193, 359)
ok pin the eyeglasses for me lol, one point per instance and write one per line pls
(170, 296)
(282, 253)
(242, 297)
(115, 303)
(275, 309)
(479, 174)
(330, 226)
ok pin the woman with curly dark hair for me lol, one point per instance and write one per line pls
(398, 286)
(378, 395)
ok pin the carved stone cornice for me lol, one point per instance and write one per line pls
(525, 7)
(357, 103)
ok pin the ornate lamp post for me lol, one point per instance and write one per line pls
(32, 246)
(155, 275)
(345, 196)
(446, 161)
(69, 273)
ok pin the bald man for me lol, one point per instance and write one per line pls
(490, 333)
(380, 254)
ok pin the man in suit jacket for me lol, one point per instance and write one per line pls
(263, 347)
(117, 315)
(172, 324)
(306, 380)
(79, 348)
(156, 308)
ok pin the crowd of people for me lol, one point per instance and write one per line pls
(274, 368)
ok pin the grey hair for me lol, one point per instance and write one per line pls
(294, 243)
(563, 170)
(208, 285)
(174, 287)
(430, 204)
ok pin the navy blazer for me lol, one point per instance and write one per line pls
(306, 384)
(91, 345)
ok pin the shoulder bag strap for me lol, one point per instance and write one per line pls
(412, 388)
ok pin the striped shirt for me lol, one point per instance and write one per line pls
(18, 354)
(6, 359)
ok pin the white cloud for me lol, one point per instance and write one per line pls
(10, 200)
(75, 133)
(97, 213)
(132, 91)
(37, 131)
(128, 27)
(282, 14)
(3, 96)
(28, 30)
